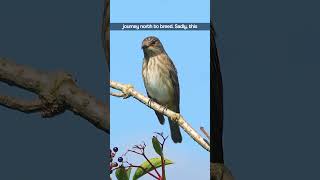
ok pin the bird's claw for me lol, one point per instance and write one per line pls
(149, 102)
(126, 93)
(176, 117)
(165, 108)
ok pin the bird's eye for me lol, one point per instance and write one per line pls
(153, 42)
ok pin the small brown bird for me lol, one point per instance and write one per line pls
(160, 79)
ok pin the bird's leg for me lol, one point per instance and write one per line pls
(176, 117)
(165, 108)
(126, 91)
(149, 102)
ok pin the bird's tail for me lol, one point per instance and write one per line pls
(160, 117)
(175, 132)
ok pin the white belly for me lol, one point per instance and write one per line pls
(157, 87)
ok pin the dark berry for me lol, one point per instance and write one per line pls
(111, 159)
(120, 159)
(110, 171)
(115, 149)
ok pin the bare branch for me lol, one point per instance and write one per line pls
(117, 94)
(129, 91)
(205, 133)
(21, 105)
(57, 92)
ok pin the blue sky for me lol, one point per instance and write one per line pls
(160, 11)
(132, 122)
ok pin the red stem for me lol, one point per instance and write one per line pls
(163, 168)
(162, 159)
(151, 164)
(146, 171)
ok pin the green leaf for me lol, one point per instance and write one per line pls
(122, 173)
(129, 172)
(157, 146)
(146, 165)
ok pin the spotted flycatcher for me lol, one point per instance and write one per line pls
(160, 79)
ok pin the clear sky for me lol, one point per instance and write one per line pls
(160, 11)
(132, 122)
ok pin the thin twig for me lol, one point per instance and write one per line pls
(155, 169)
(205, 133)
(131, 165)
(142, 149)
(117, 94)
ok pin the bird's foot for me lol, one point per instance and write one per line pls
(165, 108)
(176, 117)
(149, 102)
(126, 92)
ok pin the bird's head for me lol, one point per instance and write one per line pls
(152, 46)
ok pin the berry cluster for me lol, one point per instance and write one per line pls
(114, 165)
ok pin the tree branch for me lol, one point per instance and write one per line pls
(21, 105)
(205, 133)
(128, 90)
(57, 92)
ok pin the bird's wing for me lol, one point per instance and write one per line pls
(175, 81)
